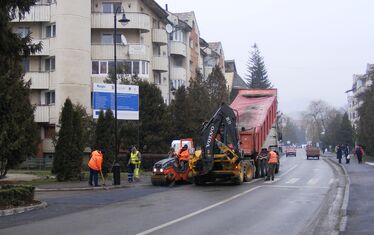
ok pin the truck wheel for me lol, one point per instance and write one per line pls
(239, 179)
(248, 174)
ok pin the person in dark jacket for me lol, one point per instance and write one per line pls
(359, 152)
(339, 153)
(346, 154)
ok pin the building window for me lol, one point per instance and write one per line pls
(23, 31)
(50, 31)
(110, 7)
(128, 67)
(107, 38)
(47, 97)
(25, 65)
(50, 64)
(177, 36)
(49, 132)
(157, 78)
(176, 84)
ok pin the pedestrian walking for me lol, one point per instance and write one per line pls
(359, 153)
(272, 162)
(346, 154)
(339, 153)
(133, 165)
(95, 165)
(261, 163)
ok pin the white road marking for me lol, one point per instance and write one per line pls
(292, 180)
(197, 212)
(313, 181)
(370, 163)
(292, 168)
(210, 207)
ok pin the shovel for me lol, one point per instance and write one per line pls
(102, 177)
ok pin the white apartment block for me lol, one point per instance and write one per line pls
(360, 84)
(78, 50)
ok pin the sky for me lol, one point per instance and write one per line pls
(311, 48)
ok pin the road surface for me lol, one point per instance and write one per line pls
(292, 204)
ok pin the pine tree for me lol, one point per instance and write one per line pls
(198, 104)
(346, 131)
(18, 133)
(217, 88)
(67, 162)
(105, 138)
(180, 114)
(365, 132)
(256, 71)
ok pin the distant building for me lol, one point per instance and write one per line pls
(233, 80)
(214, 55)
(360, 84)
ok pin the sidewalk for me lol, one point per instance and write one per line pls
(360, 209)
(73, 185)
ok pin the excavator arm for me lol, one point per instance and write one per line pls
(224, 120)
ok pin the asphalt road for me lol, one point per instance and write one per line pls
(292, 204)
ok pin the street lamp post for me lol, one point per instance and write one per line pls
(123, 21)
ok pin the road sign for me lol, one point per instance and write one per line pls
(127, 100)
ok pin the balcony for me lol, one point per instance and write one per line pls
(45, 113)
(159, 36)
(178, 48)
(160, 63)
(47, 45)
(178, 73)
(39, 80)
(38, 13)
(128, 52)
(139, 21)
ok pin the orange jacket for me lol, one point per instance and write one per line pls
(96, 161)
(183, 155)
(273, 158)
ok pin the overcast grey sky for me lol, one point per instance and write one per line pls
(311, 47)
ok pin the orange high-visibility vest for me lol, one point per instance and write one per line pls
(273, 158)
(183, 155)
(96, 161)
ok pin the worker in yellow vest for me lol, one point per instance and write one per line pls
(133, 165)
(272, 162)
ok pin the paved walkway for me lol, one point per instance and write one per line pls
(18, 177)
(361, 200)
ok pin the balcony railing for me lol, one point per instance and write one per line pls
(160, 63)
(178, 73)
(128, 52)
(139, 21)
(159, 36)
(38, 13)
(178, 48)
(39, 80)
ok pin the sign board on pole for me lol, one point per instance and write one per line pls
(127, 100)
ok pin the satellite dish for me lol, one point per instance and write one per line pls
(123, 39)
(169, 28)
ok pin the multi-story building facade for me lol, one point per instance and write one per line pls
(233, 80)
(78, 50)
(360, 84)
(214, 56)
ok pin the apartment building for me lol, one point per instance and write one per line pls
(233, 80)
(214, 56)
(77, 38)
(360, 84)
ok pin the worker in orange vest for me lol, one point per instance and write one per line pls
(273, 161)
(183, 156)
(95, 164)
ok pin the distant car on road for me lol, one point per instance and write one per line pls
(290, 151)
(312, 152)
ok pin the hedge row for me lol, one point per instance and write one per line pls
(16, 195)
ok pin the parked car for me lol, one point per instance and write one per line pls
(290, 151)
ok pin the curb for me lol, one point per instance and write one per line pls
(19, 210)
(343, 210)
(80, 189)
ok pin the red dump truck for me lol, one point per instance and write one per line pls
(256, 120)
